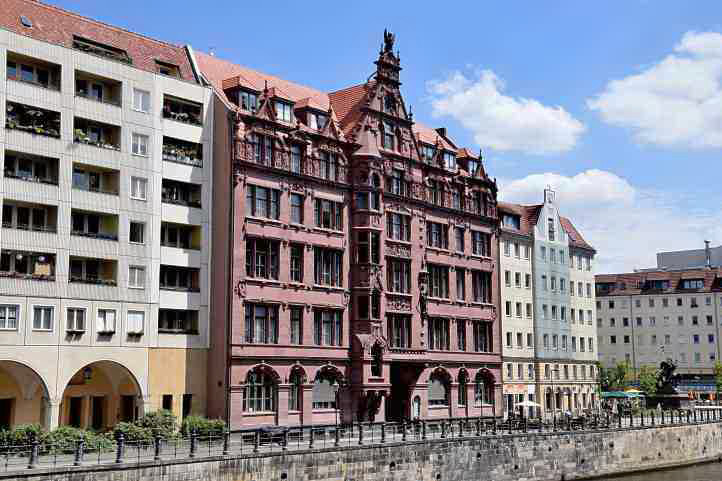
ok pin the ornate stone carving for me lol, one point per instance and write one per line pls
(398, 250)
(398, 303)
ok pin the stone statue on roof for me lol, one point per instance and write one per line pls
(388, 41)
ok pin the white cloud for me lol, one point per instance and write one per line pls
(501, 122)
(627, 225)
(676, 102)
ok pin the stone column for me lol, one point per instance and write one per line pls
(87, 417)
(282, 408)
(454, 400)
(52, 414)
(307, 404)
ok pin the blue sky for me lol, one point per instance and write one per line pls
(635, 161)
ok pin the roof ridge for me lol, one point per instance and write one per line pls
(99, 22)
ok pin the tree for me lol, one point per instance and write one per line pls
(648, 380)
(718, 377)
(619, 375)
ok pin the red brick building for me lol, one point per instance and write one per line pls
(362, 278)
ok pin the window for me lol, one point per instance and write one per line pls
(507, 310)
(481, 286)
(450, 160)
(553, 283)
(141, 100)
(507, 278)
(510, 371)
(106, 321)
(517, 279)
(460, 284)
(369, 306)
(137, 232)
(544, 282)
(527, 281)
(317, 121)
(555, 341)
(8, 317)
(296, 159)
(262, 258)
(136, 320)
(399, 326)
(529, 339)
(551, 229)
(543, 253)
(167, 69)
(459, 238)
(528, 310)
(483, 391)
(562, 285)
(461, 334)
(519, 340)
(399, 275)
(437, 235)
(283, 111)
(481, 243)
(439, 280)
(428, 153)
(552, 256)
(367, 200)
(177, 321)
(140, 144)
(368, 247)
(296, 334)
(389, 135)
(136, 277)
(324, 392)
(545, 341)
(259, 393)
(527, 252)
(262, 202)
(327, 328)
(42, 318)
(75, 320)
(248, 100)
(507, 248)
(517, 250)
(138, 188)
(296, 264)
(692, 283)
(399, 226)
(261, 324)
(482, 336)
(327, 267)
(295, 391)
(438, 393)
(329, 214)
(296, 201)
(438, 334)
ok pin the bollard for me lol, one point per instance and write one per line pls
(509, 421)
(285, 440)
(641, 419)
(120, 441)
(337, 437)
(226, 442)
(383, 433)
(156, 447)
(569, 423)
(631, 419)
(79, 447)
(310, 438)
(554, 422)
(443, 429)
(360, 434)
(257, 439)
(194, 439)
(34, 446)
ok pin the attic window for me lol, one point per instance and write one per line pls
(474, 165)
(247, 100)
(167, 69)
(96, 48)
(26, 21)
(428, 153)
(283, 111)
(317, 121)
(450, 160)
(512, 221)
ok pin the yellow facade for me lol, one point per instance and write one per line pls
(24, 408)
(178, 372)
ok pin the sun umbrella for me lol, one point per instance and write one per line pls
(527, 404)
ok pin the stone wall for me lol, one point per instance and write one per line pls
(530, 457)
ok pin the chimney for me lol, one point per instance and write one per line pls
(707, 255)
(441, 131)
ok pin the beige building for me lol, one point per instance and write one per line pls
(106, 152)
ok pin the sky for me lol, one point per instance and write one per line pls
(616, 105)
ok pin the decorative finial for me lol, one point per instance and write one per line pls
(388, 42)
(265, 87)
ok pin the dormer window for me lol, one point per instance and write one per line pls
(511, 221)
(101, 50)
(693, 284)
(389, 136)
(428, 153)
(450, 160)
(247, 100)
(283, 111)
(317, 121)
(167, 69)
(474, 165)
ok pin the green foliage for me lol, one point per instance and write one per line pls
(203, 427)
(718, 376)
(65, 438)
(648, 380)
(21, 435)
(162, 422)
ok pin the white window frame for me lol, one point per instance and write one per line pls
(133, 279)
(134, 329)
(52, 318)
(142, 181)
(4, 308)
(101, 320)
(140, 108)
(140, 151)
(130, 223)
(71, 325)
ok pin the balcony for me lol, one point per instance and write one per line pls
(96, 133)
(177, 321)
(94, 225)
(180, 279)
(182, 152)
(93, 271)
(182, 110)
(29, 217)
(33, 120)
(101, 50)
(95, 179)
(27, 265)
(31, 168)
(180, 236)
(33, 71)
(181, 193)
(99, 89)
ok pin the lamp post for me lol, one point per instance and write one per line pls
(555, 372)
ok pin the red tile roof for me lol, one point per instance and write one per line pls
(347, 104)
(466, 153)
(575, 238)
(431, 136)
(635, 282)
(57, 26)
(528, 216)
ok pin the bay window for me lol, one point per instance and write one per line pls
(368, 247)
(437, 235)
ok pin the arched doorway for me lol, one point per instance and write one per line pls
(100, 395)
(439, 393)
(23, 396)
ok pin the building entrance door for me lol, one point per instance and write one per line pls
(98, 412)
(6, 410)
(404, 377)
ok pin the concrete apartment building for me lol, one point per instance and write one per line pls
(362, 284)
(106, 148)
(669, 312)
(547, 299)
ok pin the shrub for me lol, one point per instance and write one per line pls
(21, 434)
(162, 422)
(132, 433)
(203, 426)
(65, 438)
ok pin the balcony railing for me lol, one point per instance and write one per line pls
(182, 111)
(93, 280)
(30, 178)
(29, 227)
(183, 154)
(96, 190)
(186, 203)
(86, 95)
(95, 235)
(32, 120)
(165, 287)
(81, 137)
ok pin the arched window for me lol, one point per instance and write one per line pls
(259, 394)
(376, 365)
(324, 391)
(416, 408)
(294, 392)
(438, 390)
(483, 390)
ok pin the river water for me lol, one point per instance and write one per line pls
(703, 472)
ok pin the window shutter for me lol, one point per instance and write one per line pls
(437, 392)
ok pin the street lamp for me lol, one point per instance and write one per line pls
(555, 372)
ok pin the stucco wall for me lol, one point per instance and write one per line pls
(532, 457)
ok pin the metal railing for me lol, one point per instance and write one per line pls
(297, 439)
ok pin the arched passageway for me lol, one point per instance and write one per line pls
(23, 396)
